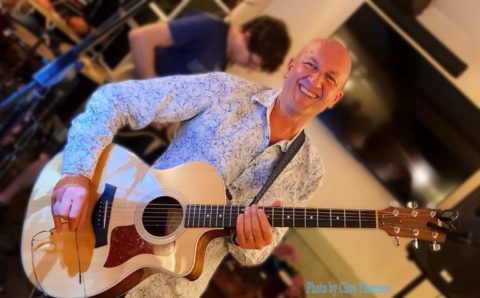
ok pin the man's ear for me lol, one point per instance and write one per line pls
(290, 64)
(336, 100)
(246, 36)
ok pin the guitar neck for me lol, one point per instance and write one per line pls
(226, 216)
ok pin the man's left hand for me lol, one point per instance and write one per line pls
(253, 229)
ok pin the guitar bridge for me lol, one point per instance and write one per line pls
(101, 215)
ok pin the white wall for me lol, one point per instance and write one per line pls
(457, 25)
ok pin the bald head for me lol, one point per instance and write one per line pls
(333, 51)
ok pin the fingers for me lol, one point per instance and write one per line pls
(253, 229)
(70, 202)
(258, 239)
(265, 227)
(240, 234)
(247, 227)
(244, 229)
(55, 206)
(277, 203)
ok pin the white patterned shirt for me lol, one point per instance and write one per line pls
(223, 121)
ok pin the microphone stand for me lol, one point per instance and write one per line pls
(55, 71)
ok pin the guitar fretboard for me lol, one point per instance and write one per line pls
(226, 216)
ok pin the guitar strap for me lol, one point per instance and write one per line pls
(284, 160)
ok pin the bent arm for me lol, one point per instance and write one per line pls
(143, 41)
(137, 104)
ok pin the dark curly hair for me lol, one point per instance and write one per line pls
(269, 39)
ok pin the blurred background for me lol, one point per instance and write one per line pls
(407, 130)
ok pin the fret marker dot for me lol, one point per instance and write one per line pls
(311, 217)
(208, 215)
(338, 217)
(288, 216)
(220, 215)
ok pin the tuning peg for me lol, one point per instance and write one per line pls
(394, 204)
(396, 241)
(415, 243)
(435, 246)
(449, 215)
(412, 205)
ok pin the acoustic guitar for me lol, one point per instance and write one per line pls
(163, 220)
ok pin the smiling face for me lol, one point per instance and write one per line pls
(315, 78)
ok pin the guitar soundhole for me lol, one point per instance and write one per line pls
(162, 216)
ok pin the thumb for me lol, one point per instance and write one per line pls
(276, 203)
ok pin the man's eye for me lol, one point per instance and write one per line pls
(332, 79)
(310, 65)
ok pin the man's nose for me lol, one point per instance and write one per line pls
(316, 79)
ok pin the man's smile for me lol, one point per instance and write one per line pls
(307, 92)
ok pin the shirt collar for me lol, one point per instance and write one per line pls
(267, 99)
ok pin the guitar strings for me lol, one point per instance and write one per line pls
(148, 213)
(225, 208)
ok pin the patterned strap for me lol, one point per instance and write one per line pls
(284, 160)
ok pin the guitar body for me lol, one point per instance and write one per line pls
(108, 253)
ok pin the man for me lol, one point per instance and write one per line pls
(197, 43)
(239, 127)
(202, 43)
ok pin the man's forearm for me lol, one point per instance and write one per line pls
(143, 58)
(143, 41)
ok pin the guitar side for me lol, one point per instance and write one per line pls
(51, 261)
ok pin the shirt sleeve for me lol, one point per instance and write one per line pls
(137, 104)
(190, 28)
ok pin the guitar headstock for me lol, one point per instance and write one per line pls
(417, 223)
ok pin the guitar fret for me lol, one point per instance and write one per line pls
(187, 223)
(289, 217)
(360, 218)
(223, 216)
(273, 216)
(216, 218)
(317, 218)
(368, 219)
(305, 217)
(353, 219)
(293, 217)
(210, 216)
(204, 214)
(193, 223)
(230, 221)
(344, 219)
(283, 216)
(337, 220)
(298, 217)
(330, 217)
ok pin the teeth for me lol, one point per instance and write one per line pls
(307, 93)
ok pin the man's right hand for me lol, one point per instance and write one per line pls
(70, 201)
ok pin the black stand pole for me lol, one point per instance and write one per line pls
(55, 71)
(412, 285)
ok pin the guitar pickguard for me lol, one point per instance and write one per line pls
(125, 243)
